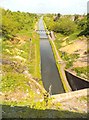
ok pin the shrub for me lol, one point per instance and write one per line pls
(83, 24)
(85, 30)
(15, 22)
(64, 26)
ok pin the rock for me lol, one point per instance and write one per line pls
(75, 108)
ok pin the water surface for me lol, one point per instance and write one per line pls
(50, 76)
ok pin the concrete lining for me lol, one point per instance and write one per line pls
(61, 69)
(70, 95)
(76, 82)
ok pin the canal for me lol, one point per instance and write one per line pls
(50, 75)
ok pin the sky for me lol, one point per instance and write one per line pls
(46, 6)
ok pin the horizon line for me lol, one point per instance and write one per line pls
(45, 12)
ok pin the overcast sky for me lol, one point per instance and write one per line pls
(46, 6)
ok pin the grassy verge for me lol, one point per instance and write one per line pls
(69, 59)
(82, 71)
(18, 56)
(27, 52)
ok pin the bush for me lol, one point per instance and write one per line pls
(64, 26)
(85, 26)
(15, 22)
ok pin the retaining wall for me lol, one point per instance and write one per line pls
(70, 95)
(76, 82)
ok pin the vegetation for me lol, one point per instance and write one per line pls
(20, 52)
(67, 24)
(82, 71)
(85, 26)
(70, 58)
(16, 22)
(25, 112)
(63, 25)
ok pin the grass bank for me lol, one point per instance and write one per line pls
(18, 56)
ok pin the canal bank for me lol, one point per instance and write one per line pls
(60, 68)
(70, 81)
(67, 80)
(50, 75)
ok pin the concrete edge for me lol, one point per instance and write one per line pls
(70, 95)
(76, 75)
(60, 69)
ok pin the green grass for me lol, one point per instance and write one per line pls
(69, 58)
(13, 81)
(28, 51)
(21, 56)
(82, 70)
(17, 91)
(69, 39)
(74, 36)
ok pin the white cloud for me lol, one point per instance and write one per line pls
(45, 6)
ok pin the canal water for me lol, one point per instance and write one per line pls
(50, 76)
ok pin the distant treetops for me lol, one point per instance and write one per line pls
(67, 24)
(13, 23)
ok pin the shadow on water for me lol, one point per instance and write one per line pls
(50, 75)
(24, 112)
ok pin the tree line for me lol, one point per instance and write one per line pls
(12, 23)
(67, 24)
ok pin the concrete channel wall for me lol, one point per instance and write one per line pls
(65, 83)
(76, 82)
(70, 95)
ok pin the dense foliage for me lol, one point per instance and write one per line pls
(67, 24)
(15, 22)
(86, 30)
(64, 26)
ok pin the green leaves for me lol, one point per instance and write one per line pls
(64, 26)
(15, 22)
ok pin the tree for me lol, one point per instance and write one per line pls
(15, 22)
(86, 30)
(64, 26)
